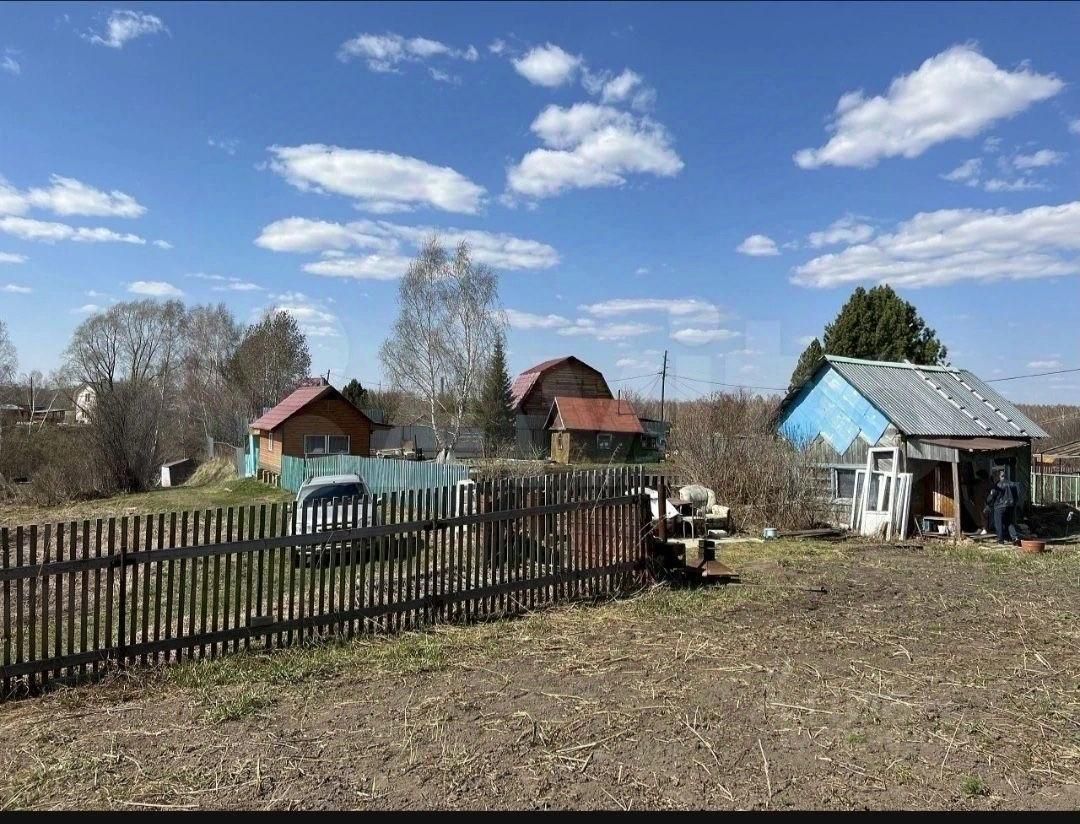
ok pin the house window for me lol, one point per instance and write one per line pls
(270, 442)
(843, 486)
(315, 445)
(603, 441)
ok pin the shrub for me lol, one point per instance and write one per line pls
(729, 444)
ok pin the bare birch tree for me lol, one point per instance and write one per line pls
(449, 319)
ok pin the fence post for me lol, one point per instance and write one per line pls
(121, 622)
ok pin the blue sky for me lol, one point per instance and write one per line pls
(712, 180)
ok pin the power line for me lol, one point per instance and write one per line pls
(1035, 375)
(634, 377)
(734, 385)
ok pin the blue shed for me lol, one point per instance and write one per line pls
(951, 430)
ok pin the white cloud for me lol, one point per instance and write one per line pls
(641, 270)
(385, 52)
(67, 196)
(967, 172)
(847, 229)
(605, 331)
(154, 289)
(1050, 363)
(1041, 158)
(586, 327)
(955, 94)
(636, 363)
(391, 244)
(591, 146)
(548, 66)
(758, 246)
(11, 257)
(123, 26)
(229, 146)
(369, 267)
(227, 284)
(86, 309)
(619, 88)
(951, 245)
(1074, 126)
(444, 77)
(698, 337)
(163, 244)
(377, 180)
(682, 308)
(16, 289)
(527, 320)
(1020, 184)
(497, 46)
(48, 232)
(313, 316)
(10, 65)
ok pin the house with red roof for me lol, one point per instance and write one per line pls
(593, 429)
(315, 420)
(534, 391)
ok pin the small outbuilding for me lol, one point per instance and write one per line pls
(903, 445)
(315, 420)
(593, 429)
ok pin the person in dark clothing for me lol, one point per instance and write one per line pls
(983, 485)
(1002, 500)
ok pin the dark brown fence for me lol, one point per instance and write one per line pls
(82, 597)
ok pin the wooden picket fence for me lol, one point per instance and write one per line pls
(85, 597)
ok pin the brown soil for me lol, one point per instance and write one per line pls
(922, 678)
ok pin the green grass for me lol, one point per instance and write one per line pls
(235, 492)
(233, 707)
(974, 787)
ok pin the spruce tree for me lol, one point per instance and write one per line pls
(494, 406)
(875, 324)
(355, 393)
(808, 364)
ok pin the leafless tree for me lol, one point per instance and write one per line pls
(130, 355)
(8, 361)
(271, 360)
(449, 318)
(212, 405)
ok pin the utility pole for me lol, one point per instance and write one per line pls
(663, 382)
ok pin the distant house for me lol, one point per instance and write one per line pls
(593, 429)
(83, 402)
(313, 421)
(867, 421)
(535, 389)
(416, 441)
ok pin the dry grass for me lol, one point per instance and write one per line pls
(923, 678)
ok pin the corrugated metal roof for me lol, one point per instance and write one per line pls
(935, 400)
(596, 415)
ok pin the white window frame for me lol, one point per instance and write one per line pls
(270, 441)
(326, 446)
(834, 480)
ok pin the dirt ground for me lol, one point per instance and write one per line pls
(920, 678)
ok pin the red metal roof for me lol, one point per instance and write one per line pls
(595, 415)
(524, 382)
(290, 406)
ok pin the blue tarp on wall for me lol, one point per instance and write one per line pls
(833, 409)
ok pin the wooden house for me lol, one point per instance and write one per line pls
(593, 429)
(313, 421)
(938, 429)
(534, 391)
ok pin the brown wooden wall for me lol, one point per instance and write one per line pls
(571, 380)
(331, 416)
(575, 447)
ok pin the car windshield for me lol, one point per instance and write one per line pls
(325, 493)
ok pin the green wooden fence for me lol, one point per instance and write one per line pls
(1053, 488)
(381, 475)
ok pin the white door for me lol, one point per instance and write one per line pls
(879, 492)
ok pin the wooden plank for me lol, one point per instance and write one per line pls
(147, 547)
(237, 593)
(129, 603)
(20, 593)
(204, 595)
(283, 554)
(957, 533)
(180, 584)
(267, 608)
(193, 584)
(249, 569)
(227, 587)
(170, 580)
(158, 570)
(6, 549)
(323, 562)
(292, 570)
(215, 595)
(261, 568)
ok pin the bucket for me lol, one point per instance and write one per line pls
(770, 533)
(1032, 545)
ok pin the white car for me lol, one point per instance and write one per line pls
(327, 503)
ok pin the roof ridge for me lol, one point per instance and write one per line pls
(896, 364)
